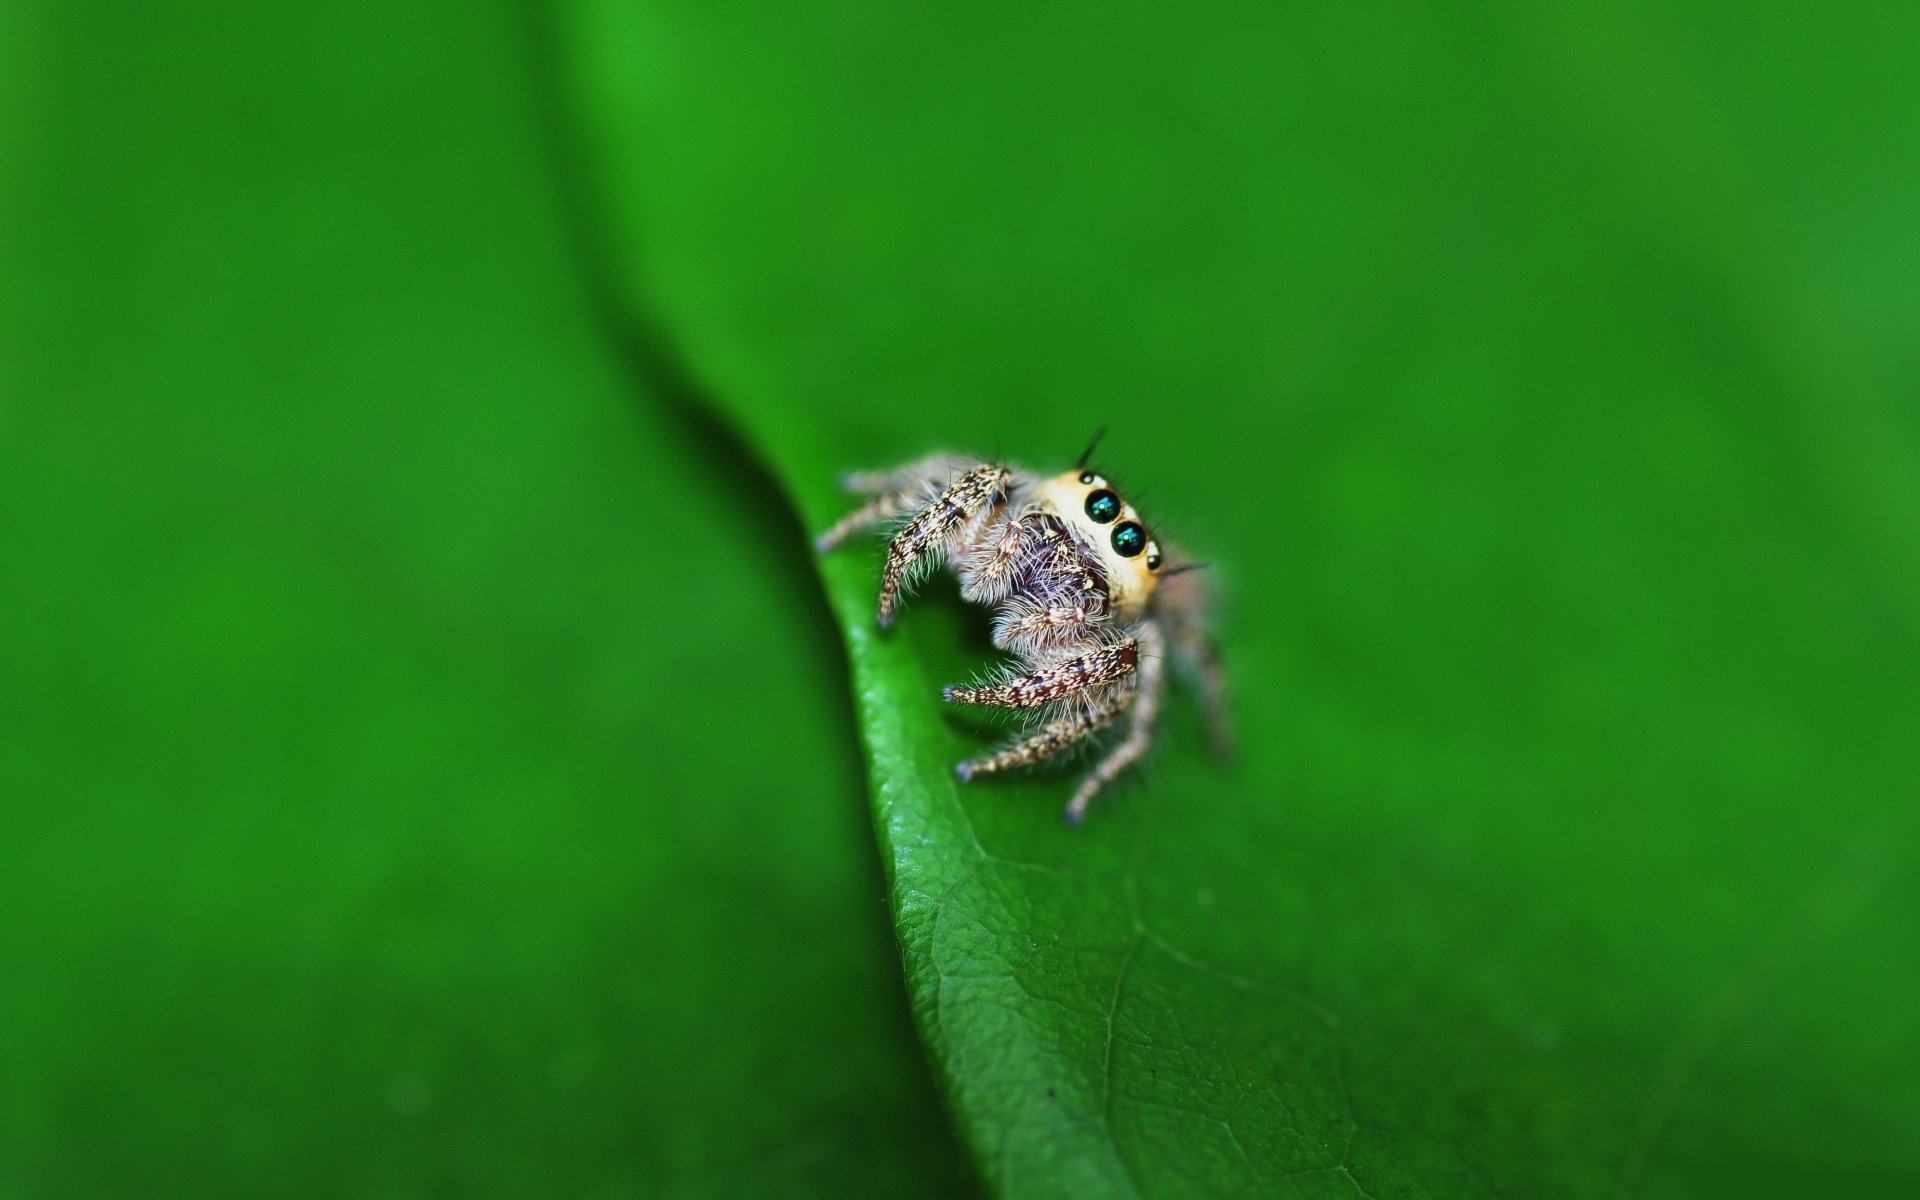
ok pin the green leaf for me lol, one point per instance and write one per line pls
(367, 823)
(1541, 386)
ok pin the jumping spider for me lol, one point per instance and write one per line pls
(1081, 595)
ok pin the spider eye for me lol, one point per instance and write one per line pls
(1129, 539)
(1103, 506)
(1153, 561)
(1086, 477)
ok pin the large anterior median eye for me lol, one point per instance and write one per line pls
(1103, 506)
(1129, 539)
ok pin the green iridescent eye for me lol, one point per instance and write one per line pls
(1103, 506)
(1129, 539)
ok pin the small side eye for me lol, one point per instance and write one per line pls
(1153, 560)
(1129, 539)
(1103, 506)
(1086, 477)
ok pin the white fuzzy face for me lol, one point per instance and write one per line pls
(1104, 521)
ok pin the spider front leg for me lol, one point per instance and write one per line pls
(1138, 661)
(894, 493)
(948, 506)
(1049, 739)
(931, 534)
(1094, 669)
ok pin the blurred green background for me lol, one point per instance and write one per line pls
(375, 821)
(427, 765)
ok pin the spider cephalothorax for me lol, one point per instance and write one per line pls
(1082, 596)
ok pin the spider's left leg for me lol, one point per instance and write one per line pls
(1089, 672)
(893, 494)
(1146, 706)
(1050, 739)
(974, 496)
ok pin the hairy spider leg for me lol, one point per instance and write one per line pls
(1094, 669)
(1145, 707)
(1048, 740)
(931, 534)
(895, 493)
(881, 508)
(986, 564)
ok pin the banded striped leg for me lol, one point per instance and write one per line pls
(894, 493)
(1048, 740)
(1146, 706)
(931, 534)
(1096, 668)
(875, 511)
